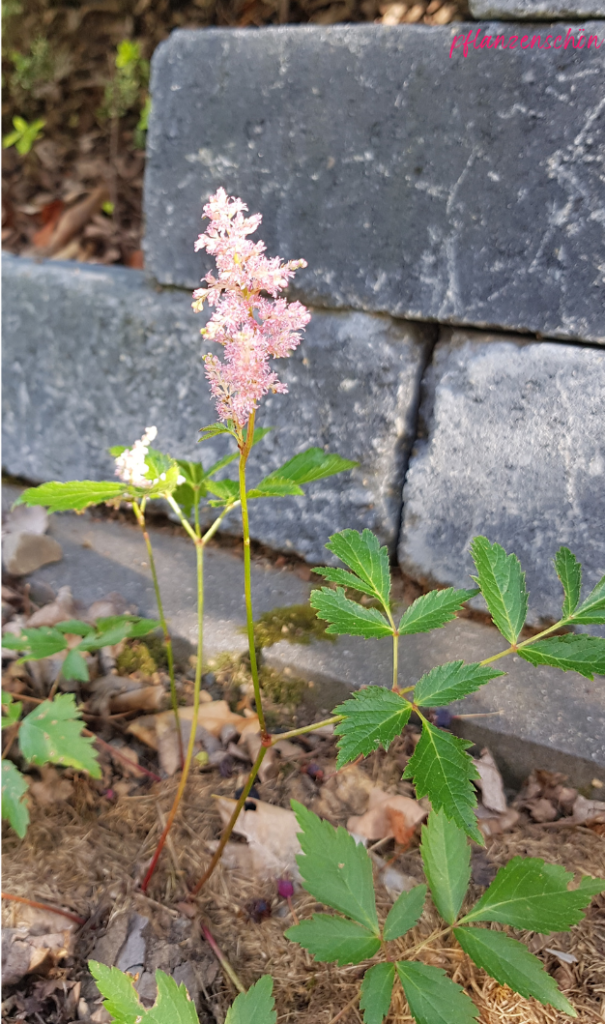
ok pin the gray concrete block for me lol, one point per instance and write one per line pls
(514, 451)
(459, 190)
(530, 10)
(94, 354)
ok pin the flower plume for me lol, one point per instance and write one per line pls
(251, 327)
(131, 466)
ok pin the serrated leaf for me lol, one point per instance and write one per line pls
(592, 610)
(138, 626)
(172, 1006)
(185, 497)
(348, 617)
(374, 716)
(366, 558)
(73, 496)
(432, 997)
(75, 626)
(335, 869)
(376, 992)
(43, 642)
(569, 572)
(14, 643)
(335, 939)
(572, 652)
(344, 579)
(75, 667)
(213, 431)
(226, 490)
(14, 788)
(255, 1006)
(451, 681)
(52, 732)
(11, 710)
(433, 610)
(446, 857)
(527, 893)
(502, 583)
(119, 996)
(275, 487)
(404, 913)
(512, 964)
(105, 637)
(312, 464)
(443, 771)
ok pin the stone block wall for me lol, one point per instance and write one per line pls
(452, 213)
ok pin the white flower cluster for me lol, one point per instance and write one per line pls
(130, 465)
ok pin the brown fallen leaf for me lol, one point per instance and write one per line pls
(490, 783)
(386, 813)
(50, 215)
(587, 811)
(271, 833)
(542, 809)
(491, 824)
(73, 220)
(59, 610)
(52, 788)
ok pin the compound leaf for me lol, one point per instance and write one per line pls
(348, 617)
(376, 992)
(73, 496)
(75, 627)
(42, 643)
(373, 718)
(214, 430)
(404, 913)
(331, 938)
(512, 964)
(433, 610)
(256, 1006)
(592, 610)
(120, 998)
(312, 464)
(572, 652)
(432, 997)
(52, 732)
(446, 856)
(14, 788)
(366, 558)
(275, 487)
(569, 572)
(227, 490)
(502, 583)
(75, 667)
(451, 681)
(527, 893)
(172, 1006)
(335, 869)
(443, 771)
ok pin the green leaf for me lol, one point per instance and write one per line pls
(527, 893)
(451, 681)
(366, 558)
(502, 583)
(592, 610)
(206, 433)
(75, 667)
(572, 652)
(433, 610)
(11, 710)
(376, 992)
(255, 1006)
(227, 490)
(119, 996)
(569, 572)
(443, 771)
(404, 913)
(14, 643)
(346, 616)
(374, 716)
(312, 464)
(172, 1006)
(72, 496)
(75, 626)
(275, 487)
(105, 637)
(138, 626)
(52, 732)
(331, 938)
(511, 963)
(14, 788)
(43, 642)
(432, 997)
(446, 857)
(335, 869)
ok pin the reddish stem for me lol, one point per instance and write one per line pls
(121, 757)
(44, 906)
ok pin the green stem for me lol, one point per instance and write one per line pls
(395, 659)
(229, 827)
(305, 729)
(244, 452)
(199, 551)
(140, 515)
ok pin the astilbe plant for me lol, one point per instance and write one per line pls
(254, 325)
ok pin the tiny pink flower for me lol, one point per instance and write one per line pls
(251, 327)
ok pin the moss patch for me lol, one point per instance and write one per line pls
(144, 656)
(296, 623)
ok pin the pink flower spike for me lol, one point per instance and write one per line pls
(251, 327)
